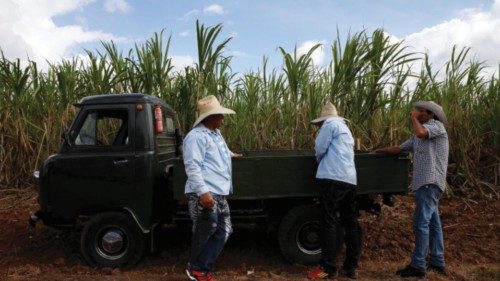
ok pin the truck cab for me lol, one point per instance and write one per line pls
(113, 161)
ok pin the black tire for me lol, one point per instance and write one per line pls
(299, 237)
(112, 239)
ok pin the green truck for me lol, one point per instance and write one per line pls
(119, 173)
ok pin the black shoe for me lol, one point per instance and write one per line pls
(387, 200)
(410, 271)
(439, 269)
(350, 272)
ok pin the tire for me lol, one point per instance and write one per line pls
(112, 240)
(299, 237)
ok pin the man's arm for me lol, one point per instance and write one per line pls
(235, 155)
(388, 150)
(323, 141)
(404, 147)
(419, 130)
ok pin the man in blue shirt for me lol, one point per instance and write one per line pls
(207, 161)
(429, 144)
(336, 176)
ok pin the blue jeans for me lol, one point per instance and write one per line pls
(427, 228)
(211, 229)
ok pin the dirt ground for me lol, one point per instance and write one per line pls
(471, 230)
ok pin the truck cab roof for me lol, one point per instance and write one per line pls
(122, 99)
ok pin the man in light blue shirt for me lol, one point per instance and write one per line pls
(207, 161)
(334, 147)
(336, 177)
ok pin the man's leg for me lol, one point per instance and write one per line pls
(204, 225)
(436, 234)
(218, 239)
(349, 219)
(329, 226)
(426, 206)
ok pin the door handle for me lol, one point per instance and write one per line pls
(120, 162)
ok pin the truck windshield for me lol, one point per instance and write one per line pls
(86, 136)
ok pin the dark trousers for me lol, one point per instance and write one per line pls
(338, 208)
(211, 229)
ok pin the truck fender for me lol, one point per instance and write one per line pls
(134, 216)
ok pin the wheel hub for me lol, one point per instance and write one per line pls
(112, 242)
(308, 239)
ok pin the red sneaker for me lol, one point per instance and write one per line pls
(320, 273)
(199, 275)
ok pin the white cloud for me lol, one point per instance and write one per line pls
(214, 9)
(318, 56)
(473, 28)
(187, 15)
(112, 6)
(233, 34)
(27, 30)
(184, 33)
(179, 62)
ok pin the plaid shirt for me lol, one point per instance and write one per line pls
(430, 155)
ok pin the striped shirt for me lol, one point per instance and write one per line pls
(430, 155)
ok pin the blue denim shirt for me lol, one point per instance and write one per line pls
(334, 148)
(207, 161)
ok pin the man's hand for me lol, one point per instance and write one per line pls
(236, 155)
(414, 115)
(207, 201)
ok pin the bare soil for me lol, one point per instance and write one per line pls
(471, 230)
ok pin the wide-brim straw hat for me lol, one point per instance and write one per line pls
(210, 105)
(434, 108)
(328, 111)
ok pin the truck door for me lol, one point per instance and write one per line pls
(97, 170)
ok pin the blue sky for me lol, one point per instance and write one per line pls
(52, 29)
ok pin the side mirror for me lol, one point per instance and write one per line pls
(65, 137)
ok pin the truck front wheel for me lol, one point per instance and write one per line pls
(111, 240)
(299, 236)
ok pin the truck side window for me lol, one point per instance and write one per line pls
(169, 126)
(104, 128)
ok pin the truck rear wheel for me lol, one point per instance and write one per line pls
(112, 240)
(299, 236)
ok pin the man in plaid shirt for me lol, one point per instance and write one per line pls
(429, 144)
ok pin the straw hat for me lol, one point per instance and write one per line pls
(434, 108)
(209, 105)
(328, 111)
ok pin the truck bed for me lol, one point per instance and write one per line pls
(291, 173)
